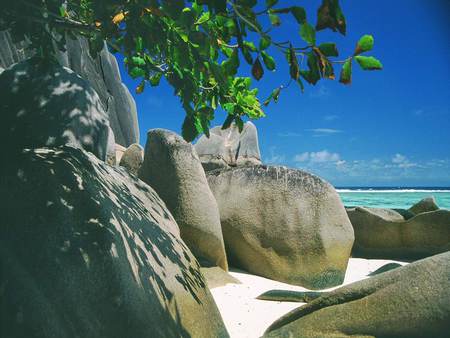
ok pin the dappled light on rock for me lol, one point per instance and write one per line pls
(89, 251)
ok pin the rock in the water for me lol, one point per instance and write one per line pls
(101, 72)
(229, 147)
(411, 301)
(132, 158)
(89, 251)
(171, 167)
(385, 235)
(283, 224)
(44, 105)
(424, 205)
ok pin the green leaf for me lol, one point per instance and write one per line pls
(136, 72)
(293, 63)
(250, 45)
(274, 19)
(299, 14)
(203, 18)
(247, 55)
(346, 72)
(154, 80)
(271, 3)
(228, 121)
(139, 44)
(308, 33)
(257, 70)
(328, 49)
(330, 16)
(276, 94)
(232, 64)
(265, 42)
(364, 44)
(188, 129)
(268, 61)
(300, 83)
(368, 62)
(138, 61)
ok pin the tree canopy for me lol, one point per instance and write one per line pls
(197, 45)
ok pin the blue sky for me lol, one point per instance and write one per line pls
(388, 128)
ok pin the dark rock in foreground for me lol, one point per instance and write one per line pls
(89, 251)
(44, 105)
(411, 301)
(101, 72)
(424, 205)
(283, 224)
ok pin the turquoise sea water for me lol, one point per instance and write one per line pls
(392, 197)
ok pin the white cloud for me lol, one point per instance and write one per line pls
(324, 131)
(398, 158)
(330, 117)
(275, 158)
(289, 134)
(318, 157)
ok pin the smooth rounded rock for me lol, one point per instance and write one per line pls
(45, 105)
(283, 224)
(132, 158)
(382, 233)
(86, 250)
(172, 167)
(410, 301)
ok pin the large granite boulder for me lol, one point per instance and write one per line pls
(283, 224)
(89, 251)
(411, 301)
(102, 72)
(132, 158)
(384, 233)
(44, 105)
(424, 205)
(229, 147)
(171, 167)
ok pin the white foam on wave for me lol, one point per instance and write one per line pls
(394, 190)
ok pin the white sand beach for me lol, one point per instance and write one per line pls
(247, 317)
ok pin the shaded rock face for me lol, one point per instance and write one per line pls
(89, 251)
(46, 105)
(387, 235)
(283, 224)
(172, 167)
(103, 75)
(411, 301)
(229, 147)
(424, 205)
(132, 158)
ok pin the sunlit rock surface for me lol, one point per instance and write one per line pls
(386, 233)
(171, 167)
(89, 251)
(229, 147)
(43, 105)
(409, 301)
(283, 224)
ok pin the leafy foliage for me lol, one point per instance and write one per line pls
(196, 45)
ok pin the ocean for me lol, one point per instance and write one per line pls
(392, 197)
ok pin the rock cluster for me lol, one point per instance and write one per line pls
(229, 147)
(421, 231)
(102, 73)
(411, 301)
